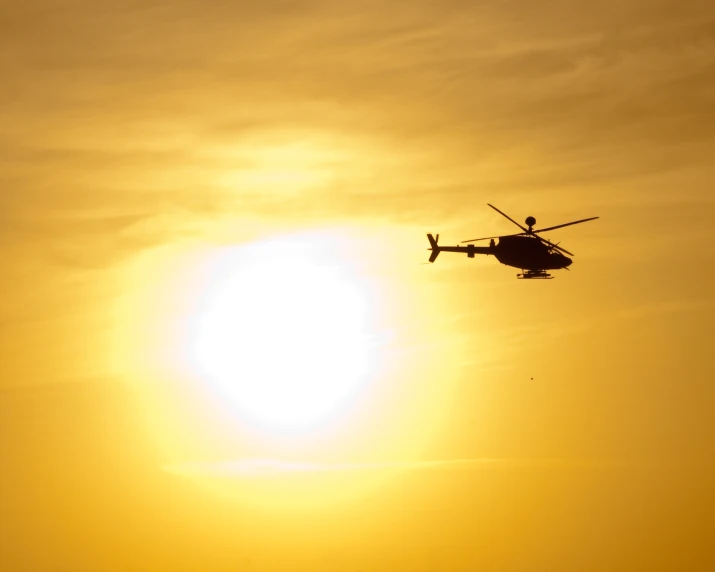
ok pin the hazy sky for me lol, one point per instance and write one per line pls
(138, 138)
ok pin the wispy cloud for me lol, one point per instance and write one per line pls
(479, 98)
(126, 126)
(263, 467)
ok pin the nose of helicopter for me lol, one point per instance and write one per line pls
(567, 261)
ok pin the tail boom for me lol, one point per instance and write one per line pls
(470, 250)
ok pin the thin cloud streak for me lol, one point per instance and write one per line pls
(263, 467)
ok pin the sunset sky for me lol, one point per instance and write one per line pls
(220, 347)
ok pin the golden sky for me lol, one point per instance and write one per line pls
(156, 156)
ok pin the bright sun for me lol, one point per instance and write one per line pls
(282, 329)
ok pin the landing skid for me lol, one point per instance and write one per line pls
(534, 274)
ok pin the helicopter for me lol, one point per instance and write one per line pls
(526, 250)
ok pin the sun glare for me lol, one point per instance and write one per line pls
(282, 330)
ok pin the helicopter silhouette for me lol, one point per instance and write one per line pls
(526, 250)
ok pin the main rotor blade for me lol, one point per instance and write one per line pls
(476, 239)
(567, 224)
(552, 245)
(507, 216)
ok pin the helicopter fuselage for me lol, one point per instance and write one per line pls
(528, 253)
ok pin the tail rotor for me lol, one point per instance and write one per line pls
(434, 247)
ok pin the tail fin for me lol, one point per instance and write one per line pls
(435, 247)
